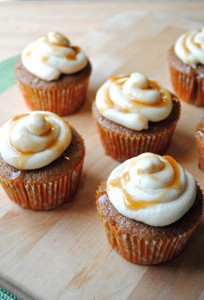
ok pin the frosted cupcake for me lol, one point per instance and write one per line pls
(53, 74)
(41, 160)
(186, 63)
(150, 207)
(135, 115)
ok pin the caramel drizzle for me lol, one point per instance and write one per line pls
(73, 56)
(153, 85)
(175, 183)
(196, 44)
(192, 41)
(133, 204)
(44, 58)
(24, 156)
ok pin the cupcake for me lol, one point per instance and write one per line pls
(135, 115)
(186, 64)
(150, 207)
(200, 142)
(53, 75)
(41, 159)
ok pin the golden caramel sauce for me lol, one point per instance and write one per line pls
(139, 204)
(108, 102)
(44, 58)
(116, 78)
(119, 108)
(141, 172)
(51, 143)
(22, 156)
(135, 205)
(71, 56)
(164, 99)
(17, 117)
(196, 44)
(175, 183)
(76, 49)
(153, 177)
(22, 159)
(141, 119)
(129, 201)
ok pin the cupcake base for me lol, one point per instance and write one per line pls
(122, 143)
(187, 82)
(47, 187)
(63, 96)
(144, 244)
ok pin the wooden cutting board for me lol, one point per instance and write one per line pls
(63, 253)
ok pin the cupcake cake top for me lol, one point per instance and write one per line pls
(190, 48)
(53, 55)
(133, 100)
(151, 189)
(34, 140)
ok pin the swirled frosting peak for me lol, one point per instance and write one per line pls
(190, 48)
(133, 100)
(152, 189)
(53, 55)
(32, 141)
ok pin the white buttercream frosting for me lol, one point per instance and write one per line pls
(32, 141)
(133, 100)
(152, 189)
(53, 55)
(190, 48)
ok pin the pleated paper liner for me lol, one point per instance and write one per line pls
(145, 251)
(188, 86)
(122, 147)
(46, 195)
(62, 101)
(135, 242)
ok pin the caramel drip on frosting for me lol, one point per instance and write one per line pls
(175, 181)
(151, 189)
(129, 201)
(189, 48)
(34, 140)
(73, 56)
(120, 80)
(134, 204)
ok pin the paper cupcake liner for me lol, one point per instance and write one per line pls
(43, 196)
(122, 147)
(145, 251)
(189, 87)
(62, 101)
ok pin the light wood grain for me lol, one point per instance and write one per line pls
(23, 22)
(64, 254)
